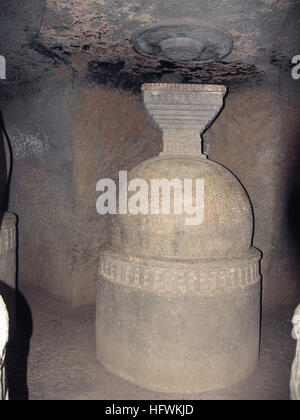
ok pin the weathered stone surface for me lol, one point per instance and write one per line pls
(203, 278)
(295, 376)
(182, 122)
(227, 214)
(178, 307)
(7, 220)
(65, 138)
(257, 137)
(8, 249)
(3, 342)
(186, 343)
(37, 36)
(104, 30)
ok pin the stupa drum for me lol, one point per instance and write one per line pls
(178, 304)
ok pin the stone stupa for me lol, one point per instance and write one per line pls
(178, 306)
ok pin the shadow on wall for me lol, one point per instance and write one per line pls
(293, 207)
(20, 319)
(294, 214)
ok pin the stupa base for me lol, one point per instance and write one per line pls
(178, 326)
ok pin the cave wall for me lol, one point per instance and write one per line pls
(257, 137)
(110, 132)
(67, 133)
(41, 191)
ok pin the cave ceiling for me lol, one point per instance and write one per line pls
(103, 39)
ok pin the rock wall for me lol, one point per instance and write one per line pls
(257, 138)
(65, 136)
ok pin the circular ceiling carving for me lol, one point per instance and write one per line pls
(183, 43)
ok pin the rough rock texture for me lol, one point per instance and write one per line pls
(104, 30)
(178, 306)
(20, 24)
(102, 145)
(65, 136)
(39, 36)
(257, 137)
(41, 190)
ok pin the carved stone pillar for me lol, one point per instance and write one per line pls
(295, 377)
(3, 342)
(8, 250)
(7, 221)
(178, 301)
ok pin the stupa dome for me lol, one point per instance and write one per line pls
(227, 226)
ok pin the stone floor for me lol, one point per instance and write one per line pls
(61, 363)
